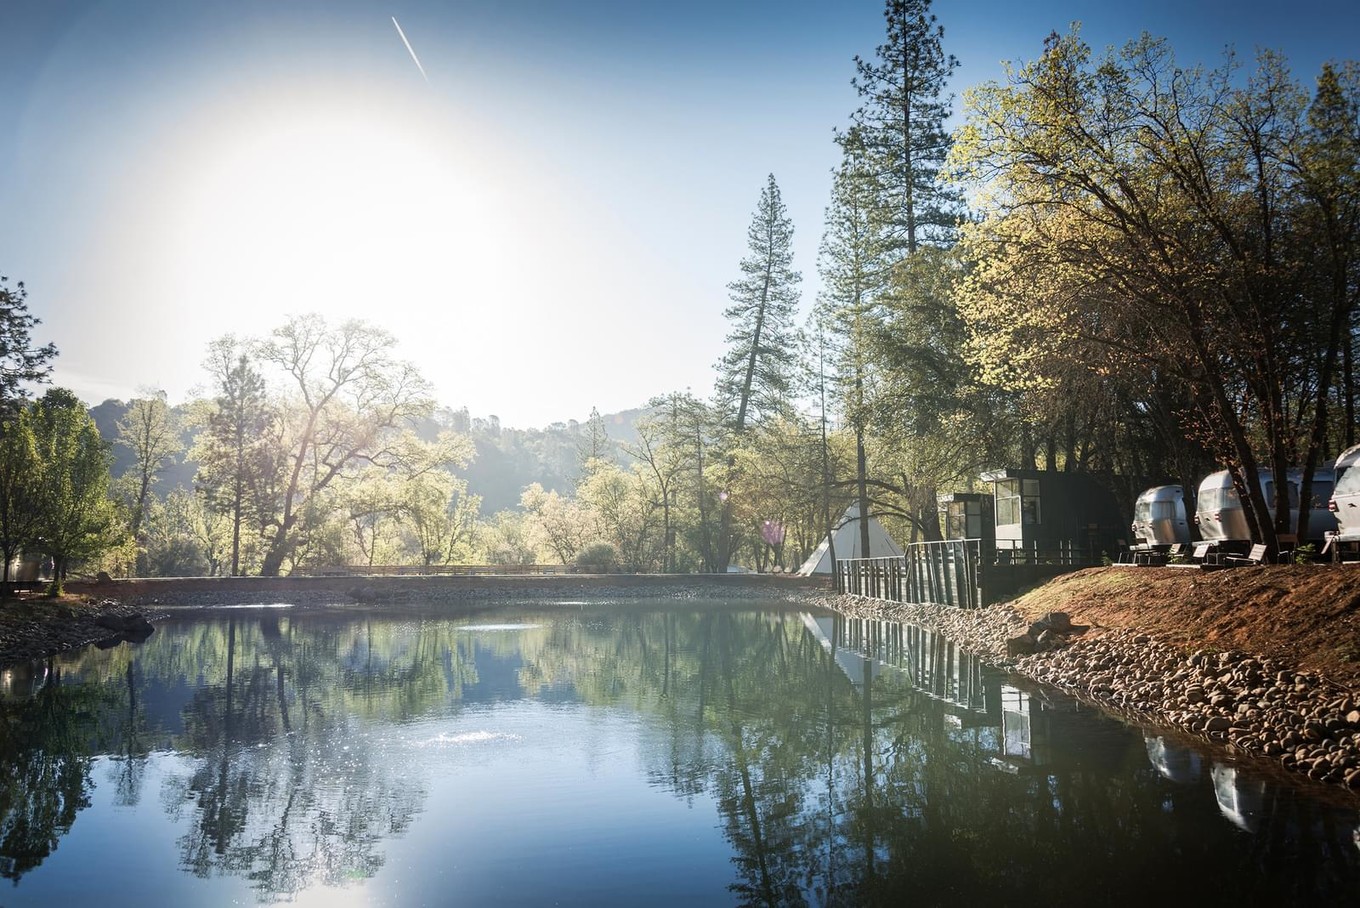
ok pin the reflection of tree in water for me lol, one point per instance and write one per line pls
(287, 790)
(830, 790)
(45, 746)
(840, 793)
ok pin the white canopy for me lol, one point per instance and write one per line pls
(846, 536)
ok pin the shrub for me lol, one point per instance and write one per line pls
(597, 558)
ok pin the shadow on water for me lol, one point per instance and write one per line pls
(843, 761)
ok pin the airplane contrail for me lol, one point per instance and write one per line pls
(409, 49)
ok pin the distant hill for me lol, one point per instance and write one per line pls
(180, 474)
(510, 459)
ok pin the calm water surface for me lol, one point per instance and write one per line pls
(641, 754)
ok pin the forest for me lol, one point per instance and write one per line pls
(1117, 263)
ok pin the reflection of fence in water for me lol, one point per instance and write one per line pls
(932, 663)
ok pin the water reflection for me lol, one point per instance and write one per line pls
(611, 756)
(1174, 761)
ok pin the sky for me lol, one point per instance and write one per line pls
(546, 218)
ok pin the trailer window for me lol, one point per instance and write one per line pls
(1029, 502)
(1163, 510)
(1322, 491)
(1220, 499)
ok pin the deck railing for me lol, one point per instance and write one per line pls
(958, 572)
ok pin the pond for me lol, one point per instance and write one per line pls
(614, 754)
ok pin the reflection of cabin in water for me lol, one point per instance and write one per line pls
(1051, 511)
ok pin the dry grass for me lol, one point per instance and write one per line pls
(1308, 615)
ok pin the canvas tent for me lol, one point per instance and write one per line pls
(846, 536)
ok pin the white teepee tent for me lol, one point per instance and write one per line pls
(846, 535)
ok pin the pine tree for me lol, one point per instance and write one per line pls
(756, 376)
(20, 361)
(853, 274)
(901, 126)
(594, 447)
(233, 459)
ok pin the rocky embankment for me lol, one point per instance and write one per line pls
(1261, 661)
(1253, 705)
(38, 628)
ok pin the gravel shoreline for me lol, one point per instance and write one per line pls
(1250, 705)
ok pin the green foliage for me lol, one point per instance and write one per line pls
(348, 398)
(149, 430)
(899, 131)
(20, 485)
(1168, 243)
(756, 376)
(21, 362)
(78, 520)
(1303, 554)
(597, 558)
(238, 462)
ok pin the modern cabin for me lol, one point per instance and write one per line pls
(1046, 510)
(969, 515)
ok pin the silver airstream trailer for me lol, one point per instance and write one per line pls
(1220, 517)
(1345, 502)
(1159, 519)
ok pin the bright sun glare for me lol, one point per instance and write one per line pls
(339, 208)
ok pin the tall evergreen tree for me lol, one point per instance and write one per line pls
(233, 458)
(853, 274)
(891, 202)
(901, 126)
(594, 446)
(756, 376)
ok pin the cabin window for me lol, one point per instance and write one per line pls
(1017, 501)
(1163, 510)
(964, 519)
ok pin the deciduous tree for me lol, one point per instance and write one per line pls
(236, 464)
(150, 431)
(348, 395)
(78, 518)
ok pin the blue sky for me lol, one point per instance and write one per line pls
(547, 224)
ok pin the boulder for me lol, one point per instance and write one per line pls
(1060, 622)
(134, 626)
